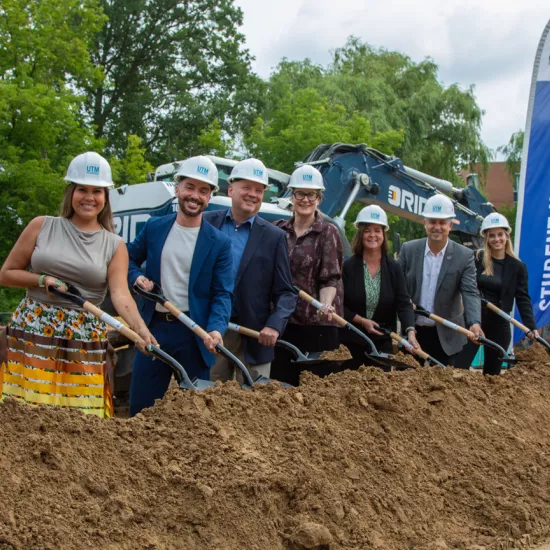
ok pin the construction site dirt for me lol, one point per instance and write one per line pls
(423, 459)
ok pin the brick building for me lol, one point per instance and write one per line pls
(498, 186)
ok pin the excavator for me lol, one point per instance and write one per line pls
(351, 173)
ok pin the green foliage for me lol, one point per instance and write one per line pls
(510, 211)
(513, 152)
(302, 120)
(43, 57)
(213, 141)
(133, 167)
(171, 68)
(9, 299)
(439, 127)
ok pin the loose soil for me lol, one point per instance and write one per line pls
(408, 359)
(340, 354)
(423, 459)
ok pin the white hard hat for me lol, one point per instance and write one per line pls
(250, 170)
(372, 214)
(306, 177)
(439, 206)
(495, 221)
(198, 168)
(90, 169)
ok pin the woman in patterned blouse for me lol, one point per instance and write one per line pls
(375, 292)
(316, 257)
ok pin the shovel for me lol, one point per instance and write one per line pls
(503, 355)
(382, 359)
(410, 348)
(516, 323)
(308, 359)
(73, 294)
(156, 296)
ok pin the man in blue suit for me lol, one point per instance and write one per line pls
(264, 295)
(191, 261)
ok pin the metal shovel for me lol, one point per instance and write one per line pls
(308, 359)
(73, 294)
(503, 355)
(378, 358)
(156, 296)
(516, 323)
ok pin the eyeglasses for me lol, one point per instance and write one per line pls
(300, 195)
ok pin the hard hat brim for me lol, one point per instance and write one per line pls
(239, 178)
(87, 183)
(384, 225)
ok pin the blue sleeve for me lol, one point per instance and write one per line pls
(137, 252)
(223, 284)
(283, 295)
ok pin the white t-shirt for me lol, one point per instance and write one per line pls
(175, 265)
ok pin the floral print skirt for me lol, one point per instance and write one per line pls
(57, 356)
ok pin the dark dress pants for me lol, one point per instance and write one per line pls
(429, 342)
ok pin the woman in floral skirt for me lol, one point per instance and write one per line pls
(56, 352)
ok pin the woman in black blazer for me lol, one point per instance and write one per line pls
(375, 292)
(501, 278)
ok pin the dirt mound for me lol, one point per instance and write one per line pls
(424, 459)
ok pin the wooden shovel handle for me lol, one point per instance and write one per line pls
(123, 329)
(516, 323)
(452, 325)
(249, 332)
(316, 304)
(416, 351)
(200, 332)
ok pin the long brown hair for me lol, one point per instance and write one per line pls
(105, 217)
(357, 241)
(488, 267)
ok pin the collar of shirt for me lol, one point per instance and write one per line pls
(316, 227)
(229, 216)
(440, 253)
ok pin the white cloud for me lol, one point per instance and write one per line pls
(490, 44)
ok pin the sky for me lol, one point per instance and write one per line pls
(488, 43)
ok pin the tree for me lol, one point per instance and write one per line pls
(301, 120)
(171, 68)
(132, 168)
(43, 58)
(513, 151)
(440, 125)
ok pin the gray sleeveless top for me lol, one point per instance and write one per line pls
(74, 256)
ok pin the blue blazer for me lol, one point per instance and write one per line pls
(264, 295)
(210, 281)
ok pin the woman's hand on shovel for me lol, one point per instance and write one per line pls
(532, 335)
(52, 282)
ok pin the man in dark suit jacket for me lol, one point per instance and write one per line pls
(264, 295)
(191, 261)
(441, 277)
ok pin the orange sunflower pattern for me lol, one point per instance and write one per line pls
(54, 322)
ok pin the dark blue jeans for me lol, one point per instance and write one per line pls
(151, 378)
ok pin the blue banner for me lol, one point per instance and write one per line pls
(532, 240)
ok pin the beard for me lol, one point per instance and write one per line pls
(183, 207)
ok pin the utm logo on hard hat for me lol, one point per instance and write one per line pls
(436, 208)
(375, 215)
(94, 170)
(202, 170)
(258, 172)
(307, 177)
(495, 220)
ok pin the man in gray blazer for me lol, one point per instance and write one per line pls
(441, 277)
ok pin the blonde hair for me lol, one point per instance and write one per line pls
(488, 267)
(105, 217)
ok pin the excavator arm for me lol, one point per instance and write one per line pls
(359, 173)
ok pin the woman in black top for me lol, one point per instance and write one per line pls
(375, 292)
(501, 278)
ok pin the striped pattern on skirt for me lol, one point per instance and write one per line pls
(56, 356)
